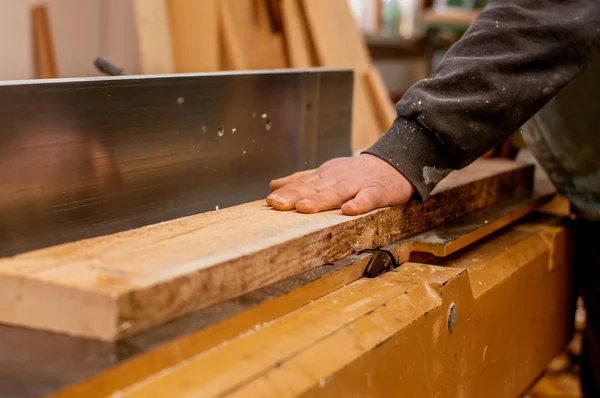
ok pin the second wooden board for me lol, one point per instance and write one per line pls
(116, 285)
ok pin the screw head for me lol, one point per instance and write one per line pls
(452, 317)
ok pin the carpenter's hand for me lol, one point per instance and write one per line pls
(357, 185)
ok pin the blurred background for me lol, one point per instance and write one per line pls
(405, 38)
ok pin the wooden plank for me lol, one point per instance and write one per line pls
(391, 336)
(45, 64)
(299, 48)
(154, 36)
(144, 277)
(339, 43)
(195, 35)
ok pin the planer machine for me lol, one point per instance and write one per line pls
(475, 306)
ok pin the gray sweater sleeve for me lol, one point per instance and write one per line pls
(514, 58)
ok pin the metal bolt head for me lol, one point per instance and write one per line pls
(452, 317)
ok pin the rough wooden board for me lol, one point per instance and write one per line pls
(298, 44)
(144, 277)
(339, 43)
(154, 37)
(195, 35)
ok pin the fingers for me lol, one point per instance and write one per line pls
(280, 182)
(365, 200)
(330, 198)
(286, 198)
(372, 197)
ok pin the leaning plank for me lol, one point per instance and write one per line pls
(116, 285)
(154, 36)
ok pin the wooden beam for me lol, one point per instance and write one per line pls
(195, 35)
(154, 36)
(116, 285)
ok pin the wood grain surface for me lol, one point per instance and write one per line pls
(116, 285)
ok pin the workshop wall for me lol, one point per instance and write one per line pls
(81, 30)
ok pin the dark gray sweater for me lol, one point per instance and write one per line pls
(515, 57)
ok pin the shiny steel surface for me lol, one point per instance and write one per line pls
(87, 157)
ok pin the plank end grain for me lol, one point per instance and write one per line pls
(157, 273)
(40, 304)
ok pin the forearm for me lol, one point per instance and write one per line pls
(515, 57)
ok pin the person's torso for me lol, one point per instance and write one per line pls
(565, 138)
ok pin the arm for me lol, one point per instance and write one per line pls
(514, 58)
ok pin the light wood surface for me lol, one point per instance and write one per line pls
(195, 35)
(45, 64)
(154, 36)
(115, 285)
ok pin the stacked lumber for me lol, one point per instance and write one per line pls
(116, 285)
(182, 36)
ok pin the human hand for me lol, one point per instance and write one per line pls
(357, 185)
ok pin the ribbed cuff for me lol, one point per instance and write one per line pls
(415, 153)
